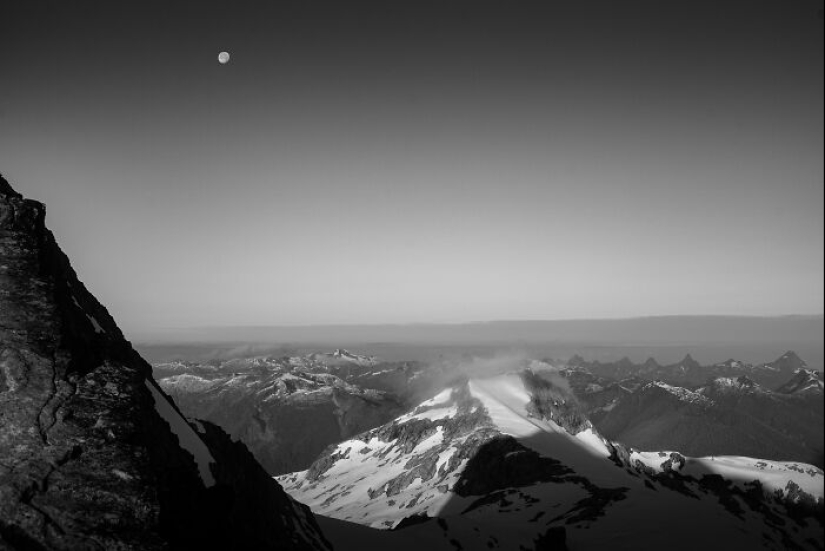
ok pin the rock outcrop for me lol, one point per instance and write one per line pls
(93, 455)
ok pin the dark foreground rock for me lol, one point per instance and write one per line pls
(93, 455)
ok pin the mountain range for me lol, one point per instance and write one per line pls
(689, 372)
(286, 411)
(95, 455)
(508, 462)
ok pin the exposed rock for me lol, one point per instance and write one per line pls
(92, 454)
(549, 401)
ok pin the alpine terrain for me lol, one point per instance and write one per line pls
(510, 462)
(286, 410)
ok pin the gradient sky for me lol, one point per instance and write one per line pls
(422, 161)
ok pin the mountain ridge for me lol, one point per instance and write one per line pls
(92, 453)
(473, 462)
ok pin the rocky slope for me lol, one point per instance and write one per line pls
(510, 462)
(285, 410)
(93, 455)
(728, 416)
(804, 382)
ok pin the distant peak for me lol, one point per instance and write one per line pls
(688, 361)
(789, 361)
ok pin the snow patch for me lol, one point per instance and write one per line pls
(594, 441)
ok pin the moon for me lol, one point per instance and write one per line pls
(223, 58)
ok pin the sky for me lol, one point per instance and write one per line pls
(394, 162)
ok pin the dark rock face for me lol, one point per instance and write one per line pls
(92, 453)
(502, 462)
(549, 401)
(250, 500)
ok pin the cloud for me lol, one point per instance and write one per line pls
(552, 374)
(504, 361)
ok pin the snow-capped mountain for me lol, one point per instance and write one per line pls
(93, 454)
(342, 356)
(737, 385)
(509, 463)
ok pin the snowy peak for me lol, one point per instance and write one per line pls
(482, 458)
(804, 382)
(463, 442)
(732, 365)
(683, 394)
(341, 356)
(741, 384)
(400, 469)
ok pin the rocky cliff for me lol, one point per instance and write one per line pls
(93, 455)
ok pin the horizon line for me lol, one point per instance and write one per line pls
(493, 321)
